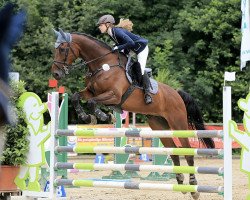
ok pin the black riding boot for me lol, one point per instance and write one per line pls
(146, 85)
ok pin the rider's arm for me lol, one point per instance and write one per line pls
(128, 43)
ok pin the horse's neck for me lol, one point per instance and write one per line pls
(90, 50)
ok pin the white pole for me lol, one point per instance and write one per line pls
(134, 122)
(54, 127)
(227, 114)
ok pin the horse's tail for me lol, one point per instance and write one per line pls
(195, 119)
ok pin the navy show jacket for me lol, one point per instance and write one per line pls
(128, 41)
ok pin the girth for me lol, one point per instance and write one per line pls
(117, 108)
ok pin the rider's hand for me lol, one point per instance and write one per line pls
(115, 48)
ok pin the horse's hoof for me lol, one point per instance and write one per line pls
(184, 192)
(112, 118)
(195, 195)
(93, 120)
(192, 180)
(180, 178)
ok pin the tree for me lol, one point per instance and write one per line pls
(203, 40)
(162, 62)
(213, 48)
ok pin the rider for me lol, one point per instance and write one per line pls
(125, 40)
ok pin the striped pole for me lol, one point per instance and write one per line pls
(147, 168)
(139, 186)
(140, 150)
(124, 132)
(227, 190)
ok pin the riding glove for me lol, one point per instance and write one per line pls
(115, 48)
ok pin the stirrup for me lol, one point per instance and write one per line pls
(147, 98)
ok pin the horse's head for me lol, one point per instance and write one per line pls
(66, 52)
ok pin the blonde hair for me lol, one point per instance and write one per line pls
(126, 24)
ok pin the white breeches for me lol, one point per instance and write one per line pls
(142, 59)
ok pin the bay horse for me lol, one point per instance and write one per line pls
(106, 84)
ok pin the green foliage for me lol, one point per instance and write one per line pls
(164, 76)
(161, 57)
(162, 62)
(192, 43)
(16, 142)
(211, 31)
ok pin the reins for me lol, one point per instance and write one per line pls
(91, 74)
(66, 67)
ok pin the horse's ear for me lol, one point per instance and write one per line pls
(56, 32)
(66, 36)
(63, 34)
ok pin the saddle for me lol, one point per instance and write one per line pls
(133, 73)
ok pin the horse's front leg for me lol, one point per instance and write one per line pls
(92, 105)
(105, 98)
(85, 95)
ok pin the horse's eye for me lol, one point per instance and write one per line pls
(61, 50)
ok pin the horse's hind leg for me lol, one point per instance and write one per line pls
(159, 123)
(190, 161)
(181, 124)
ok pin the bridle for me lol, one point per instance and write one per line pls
(66, 68)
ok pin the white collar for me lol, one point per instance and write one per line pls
(110, 32)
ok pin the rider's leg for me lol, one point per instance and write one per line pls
(142, 59)
(146, 86)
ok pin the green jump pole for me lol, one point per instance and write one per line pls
(63, 124)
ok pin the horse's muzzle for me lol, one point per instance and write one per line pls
(58, 74)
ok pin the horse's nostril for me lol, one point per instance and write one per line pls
(56, 75)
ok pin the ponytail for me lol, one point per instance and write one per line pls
(126, 24)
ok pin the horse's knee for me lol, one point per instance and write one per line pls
(91, 105)
(75, 98)
(116, 99)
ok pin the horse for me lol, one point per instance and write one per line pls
(106, 84)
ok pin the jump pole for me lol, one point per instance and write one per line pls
(227, 115)
(53, 158)
(227, 144)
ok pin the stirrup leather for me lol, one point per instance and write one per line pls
(147, 98)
